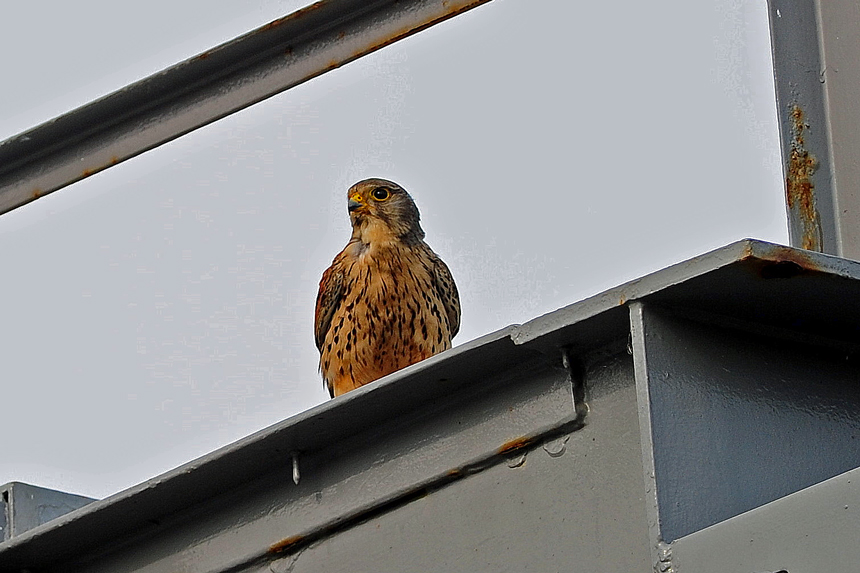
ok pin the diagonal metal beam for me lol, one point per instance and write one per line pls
(816, 57)
(216, 83)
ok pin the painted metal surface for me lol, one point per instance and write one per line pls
(740, 417)
(542, 447)
(24, 506)
(216, 83)
(812, 530)
(816, 55)
(374, 449)
(550, 510)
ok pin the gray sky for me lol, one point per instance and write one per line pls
(164, 307)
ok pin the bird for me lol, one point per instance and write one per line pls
(387, 301)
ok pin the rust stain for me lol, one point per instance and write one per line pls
(799, 188)
(409, 30)
(798, 257)
(114, 160)
(785, 263)
(88, 172)
(515, 444)
(448, 12)
(456, 472)
(295, 15)
(285, 544)
(37, 193)
(204, 55)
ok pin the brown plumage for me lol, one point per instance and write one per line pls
(387, 300)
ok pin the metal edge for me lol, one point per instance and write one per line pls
(643, 399)
(641, 288)
(136, 507)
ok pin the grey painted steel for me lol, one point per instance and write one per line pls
(816, 53)
(738, 418)
(553, 509)
(24, 506)
(443, 420)
(528, 449)
(216, 83)
(815, 529)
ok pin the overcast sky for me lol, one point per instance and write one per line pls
(164, 307)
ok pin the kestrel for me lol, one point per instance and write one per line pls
(387, 300)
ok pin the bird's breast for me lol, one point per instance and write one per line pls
(391, 315)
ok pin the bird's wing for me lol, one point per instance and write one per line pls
(448, 293)
(328, 299)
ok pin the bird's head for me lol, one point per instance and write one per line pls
(382, 210)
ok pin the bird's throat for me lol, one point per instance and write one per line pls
(374, 234)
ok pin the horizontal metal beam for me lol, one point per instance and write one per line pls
(198, 91)
(468, 444)
(273, 493)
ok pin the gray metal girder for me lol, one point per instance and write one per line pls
(356, 458)
(23, 507)
(816, 55)
(207, 87)
(738, 416)
(543, 447)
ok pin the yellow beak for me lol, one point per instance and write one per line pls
(355, 202)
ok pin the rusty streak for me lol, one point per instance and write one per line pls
(799, 187)
(286, 544)
(492, 458)
(515, 444)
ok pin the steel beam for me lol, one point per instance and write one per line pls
(543, 446)
(816, 57)
(737, 416)
(23, 507)
(198, 91)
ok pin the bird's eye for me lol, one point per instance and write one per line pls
(381, 193)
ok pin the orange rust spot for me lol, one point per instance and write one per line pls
(88, 172)
(286, 544)
(799, 258)
(515, 444)
(204, 55)
(37, 193)
(788, 263)
(799, 188)
(456, 472)
(114, 160)
(622, 300)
